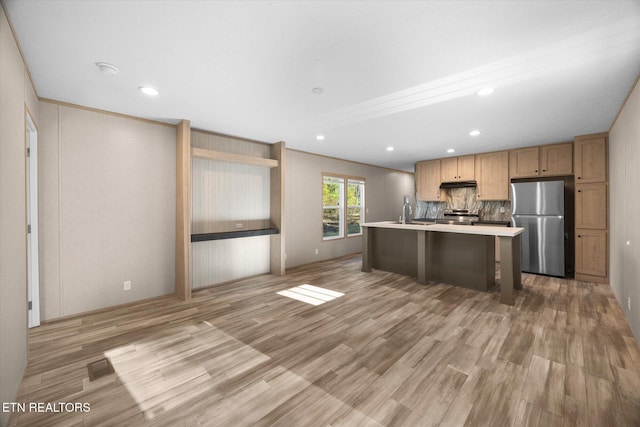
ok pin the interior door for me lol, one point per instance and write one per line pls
(33, 275)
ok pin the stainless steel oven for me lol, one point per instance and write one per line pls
(459, 217)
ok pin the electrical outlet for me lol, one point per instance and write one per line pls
(239, 225)
(629, 303)
(316, 251)
(127, 285)
(501, 209)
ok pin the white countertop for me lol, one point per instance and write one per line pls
(486, 230)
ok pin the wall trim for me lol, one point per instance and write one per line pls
(348, 161)
(15, 36)
(624, 103)
(107, 309)
(110, 113)
(239, 138)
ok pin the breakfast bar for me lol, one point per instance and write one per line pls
(460, 255)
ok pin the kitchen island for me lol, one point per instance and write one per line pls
(461, 255)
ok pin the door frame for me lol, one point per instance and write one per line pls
(33, 262)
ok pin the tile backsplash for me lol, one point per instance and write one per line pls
(465, 198)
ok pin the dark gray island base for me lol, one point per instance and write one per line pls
(452, 254)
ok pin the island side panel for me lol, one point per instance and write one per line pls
(393, 250)
(465, 260)
(510, 276)
(516, 251)
(367, 249)
(422, 256)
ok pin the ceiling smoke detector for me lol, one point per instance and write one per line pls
(107, 68)
(317, 90)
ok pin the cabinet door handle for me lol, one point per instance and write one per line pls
(579, 235)
(544, 170)
(579, 191)
(579, 177)
(536, 170)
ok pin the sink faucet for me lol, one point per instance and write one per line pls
(406, 210)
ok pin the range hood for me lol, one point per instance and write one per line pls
(458, 184)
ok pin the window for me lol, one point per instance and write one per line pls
(355, 206)
(342, 206)
(332, 207)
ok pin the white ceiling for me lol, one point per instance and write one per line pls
(394, 73)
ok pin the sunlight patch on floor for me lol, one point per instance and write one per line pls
(310, 294)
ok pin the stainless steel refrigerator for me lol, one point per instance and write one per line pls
(538, 207)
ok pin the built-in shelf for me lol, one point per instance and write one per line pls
(184, 237)
(233, 157)
(203, 237)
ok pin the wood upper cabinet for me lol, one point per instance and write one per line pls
(524, 162)
(590, 159)
(467, 168)
(556, 159)
(545, 160)
(492, 174)
(458, 169)
(591, 206)
(591, 254)
(428, 181)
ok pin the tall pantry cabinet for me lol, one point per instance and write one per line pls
(591, 198)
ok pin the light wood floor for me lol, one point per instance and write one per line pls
(389, 352)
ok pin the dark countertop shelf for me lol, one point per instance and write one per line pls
(203, 237)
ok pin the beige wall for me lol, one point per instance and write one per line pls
(107, 209)
(16, 92)
(624, 204)
(303, 203)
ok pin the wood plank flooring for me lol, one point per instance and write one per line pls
(388, 352)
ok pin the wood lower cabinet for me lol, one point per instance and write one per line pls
(590, 159)
(428, 181)
(458, 169)
(492, 174)
(591, 206)
(591, 255)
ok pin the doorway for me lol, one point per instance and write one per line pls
(33, 267)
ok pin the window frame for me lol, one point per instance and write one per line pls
(344, 208)
(361, 206)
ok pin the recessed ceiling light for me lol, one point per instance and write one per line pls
(390, 148)
(317, 90)
(474, 132)
(107, 68)
(451, 150)
(485, 91)
(320, 137)
(148, 90)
